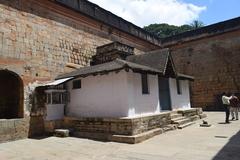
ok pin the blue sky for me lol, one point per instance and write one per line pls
(217, 10)
(175, 12)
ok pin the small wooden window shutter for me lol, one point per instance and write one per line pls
(145, 88)
(179, 87)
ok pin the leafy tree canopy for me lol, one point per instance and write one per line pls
(165, 30)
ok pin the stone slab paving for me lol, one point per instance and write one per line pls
(219, 142)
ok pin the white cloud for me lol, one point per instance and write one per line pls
(145, 12)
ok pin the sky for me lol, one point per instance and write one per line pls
(175, 12)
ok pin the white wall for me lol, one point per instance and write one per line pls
(55, 111)
(142, 104)
(113, 95)
(179, 101)
(100, 96)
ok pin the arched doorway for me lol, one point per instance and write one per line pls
(11, 95)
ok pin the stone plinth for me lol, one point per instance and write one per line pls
(61, 132)
(119, 126)
(124, 130)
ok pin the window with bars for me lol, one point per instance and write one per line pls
(56, 97)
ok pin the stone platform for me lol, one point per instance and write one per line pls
(131, 130)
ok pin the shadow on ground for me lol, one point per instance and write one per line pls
(231, 151)
(39, 137)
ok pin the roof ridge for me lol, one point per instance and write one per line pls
(121, 62)
(159, 50)
(125, 62)
(165, 65)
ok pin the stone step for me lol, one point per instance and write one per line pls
(182, 121)
(170, 127)
(136, 138)
(178, 119)
(194, 118)
(91, 135)
(89, 129)
(174, 112)
(173, 116)
(185, 125)
(124, 138)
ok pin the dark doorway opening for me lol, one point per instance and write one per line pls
(11, 95)
(164, 93)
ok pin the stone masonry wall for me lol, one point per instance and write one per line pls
(214, 62)
(13, 129)
(42, 46)
(121, 126)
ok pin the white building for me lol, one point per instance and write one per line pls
(139, 85)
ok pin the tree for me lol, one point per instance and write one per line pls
(165, 30)
(161, 30)
(196, 24)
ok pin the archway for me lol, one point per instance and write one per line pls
(11, 95)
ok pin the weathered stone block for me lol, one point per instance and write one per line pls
(61, 132)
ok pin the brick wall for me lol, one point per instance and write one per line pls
(214, 62)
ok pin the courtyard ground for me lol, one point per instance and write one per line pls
(219, 142)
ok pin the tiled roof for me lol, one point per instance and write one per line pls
(154, 62)
(156, 59)
(115, 65)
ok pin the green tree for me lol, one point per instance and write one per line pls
(165, 30)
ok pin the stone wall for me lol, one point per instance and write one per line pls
(100, 14)
(214, 62)
(13, 129)
(36, 126)
(146, 123)
(50, 126)
(121, 126)
(39, 43)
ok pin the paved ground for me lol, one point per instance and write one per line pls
(221, 141)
